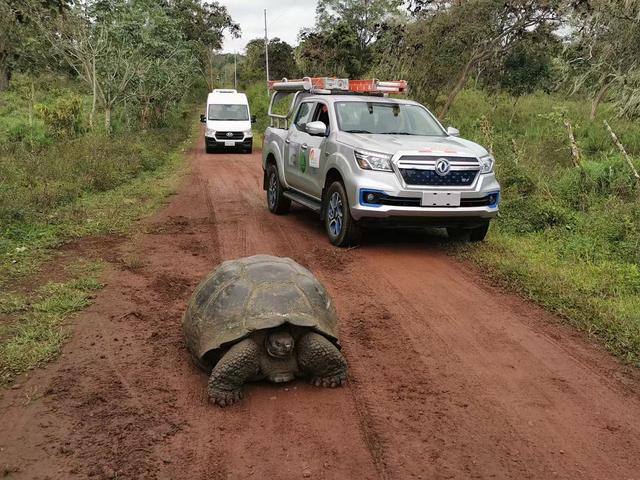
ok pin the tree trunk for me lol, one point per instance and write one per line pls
(95, 93)
(5, 75)
(107, 118)
(599, 97)
(462, 80)
(145, 116)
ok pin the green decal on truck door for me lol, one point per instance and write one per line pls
(303, 160)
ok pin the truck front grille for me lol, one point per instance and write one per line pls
(455, 178)
(420, 170)
(222, 136)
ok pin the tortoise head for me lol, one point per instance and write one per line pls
(279, 344)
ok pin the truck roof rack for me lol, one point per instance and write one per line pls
(326, 86)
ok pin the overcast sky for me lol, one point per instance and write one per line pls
(285, 18)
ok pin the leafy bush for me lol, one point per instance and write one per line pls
(63, 116)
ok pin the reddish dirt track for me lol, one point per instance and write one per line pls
(449, 377)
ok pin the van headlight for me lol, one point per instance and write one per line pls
(373, 160)
(248, 133)
(210, 132)
(486, 164)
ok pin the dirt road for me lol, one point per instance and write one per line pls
(449, 378)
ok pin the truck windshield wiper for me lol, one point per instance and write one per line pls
(397, 133)
(357, 131)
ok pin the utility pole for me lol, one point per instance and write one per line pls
(266, 48)
(235, 70)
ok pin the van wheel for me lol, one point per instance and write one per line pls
(208, 149)
(276, 201)
(341, 228)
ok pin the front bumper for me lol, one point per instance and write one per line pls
(245, 143)
(394, 200)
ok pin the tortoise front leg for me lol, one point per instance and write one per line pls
(321, 360)
(237, 366)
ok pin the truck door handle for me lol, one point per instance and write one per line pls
(304, 146)
(287, 141)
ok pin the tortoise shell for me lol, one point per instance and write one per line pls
(254, 293)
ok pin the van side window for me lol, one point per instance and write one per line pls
(304, 113)
(322, 114)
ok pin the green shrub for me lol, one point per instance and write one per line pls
(63, 116)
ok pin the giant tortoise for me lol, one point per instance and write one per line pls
(262, 317)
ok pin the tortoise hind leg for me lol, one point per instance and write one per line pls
(321, 360)
(238, 365)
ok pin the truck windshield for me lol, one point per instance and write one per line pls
(386, 119)
(218, 111)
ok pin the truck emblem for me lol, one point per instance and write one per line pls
(229, 134)
(442, 166)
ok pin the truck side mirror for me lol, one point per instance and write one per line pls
(316, 128)
(454, 132)
(203, 118)
(254, 119)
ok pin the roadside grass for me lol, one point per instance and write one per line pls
(25, 241)
(39, 329)
(568, 237)
(64, 187)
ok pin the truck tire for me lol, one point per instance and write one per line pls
(276, 201)
(478, 234)
(208, 149)
(342, 229)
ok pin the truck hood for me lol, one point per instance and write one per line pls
(394, 143)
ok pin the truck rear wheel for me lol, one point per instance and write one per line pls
(341, 228)
(276, 201)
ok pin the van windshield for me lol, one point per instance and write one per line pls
(386, 119)
(219, 111)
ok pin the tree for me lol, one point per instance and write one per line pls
(527, 67)
(95, 40)
(341, 43)
(203, 25)
(281, 60)
(17, 38)
(452, 39)
(333, 53)
(604, 54)
(365, 17)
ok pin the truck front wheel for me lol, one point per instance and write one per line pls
(479, 233)
(341, 228)
(476, 234)
(276, 201)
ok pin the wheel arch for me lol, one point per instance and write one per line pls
(333, 175)
(269, 160)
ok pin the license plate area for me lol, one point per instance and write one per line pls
(229, 144)
(440, 199)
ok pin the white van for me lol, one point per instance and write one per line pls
(228, 121)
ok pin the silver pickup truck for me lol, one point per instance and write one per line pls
(368, 160)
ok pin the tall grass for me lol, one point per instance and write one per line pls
(568, 237)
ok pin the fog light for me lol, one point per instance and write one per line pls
(371, 198)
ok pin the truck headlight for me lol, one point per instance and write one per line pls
(486, 164)
(373, 161)
(210, 132)
(248, 133)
